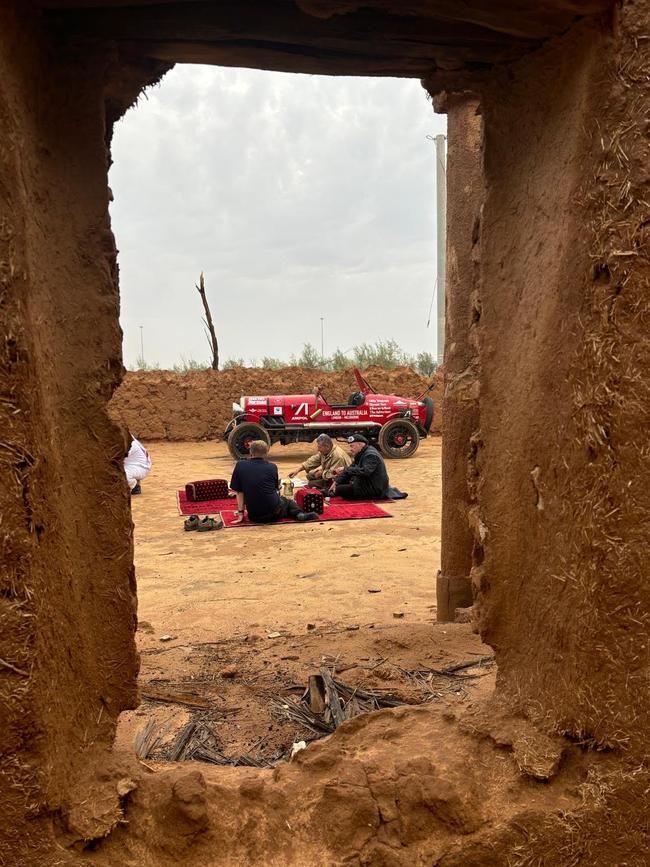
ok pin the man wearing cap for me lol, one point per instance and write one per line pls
(366, 477)
(321, 467)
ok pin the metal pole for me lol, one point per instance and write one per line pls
(322, 340)
(142, 343)
(441, 234)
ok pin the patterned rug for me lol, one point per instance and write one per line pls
(214, 507)
(340, 511)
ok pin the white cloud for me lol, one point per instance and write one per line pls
(298, 196)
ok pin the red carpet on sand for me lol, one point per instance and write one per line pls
(337, 509)
(203, 507)
(343, 511)
(212, 507)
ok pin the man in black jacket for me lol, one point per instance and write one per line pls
(366, 477)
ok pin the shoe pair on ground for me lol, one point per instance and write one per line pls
(203, 524)
(306, 516)
(207, 523)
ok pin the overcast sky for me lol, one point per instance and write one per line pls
(298, 196)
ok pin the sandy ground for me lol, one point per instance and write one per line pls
(221, 595)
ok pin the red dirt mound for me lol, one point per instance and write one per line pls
(162, 405)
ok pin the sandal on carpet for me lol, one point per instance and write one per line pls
(191, 523)
(209, 524)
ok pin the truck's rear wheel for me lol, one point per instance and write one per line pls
(242, 436)
(399, 438)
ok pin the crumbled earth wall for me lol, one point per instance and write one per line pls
(561, 465)
(462, 380)
(161, 405)
(407, 787)
(68, 664)
(561, 529)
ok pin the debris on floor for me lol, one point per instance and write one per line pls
(238, 710)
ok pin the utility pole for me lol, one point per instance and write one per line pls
(322, 340)
(441, 233)
(142, 343)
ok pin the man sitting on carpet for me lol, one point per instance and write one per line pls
(366, 477)
(256, 483)
(321, 466)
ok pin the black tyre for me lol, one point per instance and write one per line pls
(242, 436)
(399, 438)
(429, 413)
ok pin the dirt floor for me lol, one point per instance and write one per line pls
(233, 622)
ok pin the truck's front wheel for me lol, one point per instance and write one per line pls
(241, 436)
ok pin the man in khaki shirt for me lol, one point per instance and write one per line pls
(320, 467)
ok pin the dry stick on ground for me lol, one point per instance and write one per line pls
(205, 754)
(146, 739)
(204, 746)
(450, 671)
(176, 698)
(426, 678)
(212, 337)
(316, 694)
(301, 714)
(478, 663)
(340, 702)
(378, 698)
(181, 740)
(332, 698)
(195, 645)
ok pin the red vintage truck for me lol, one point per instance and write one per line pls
(395, 424)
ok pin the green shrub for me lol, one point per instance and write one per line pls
(189, 364)
(269, 363)
(309, 357)
(232, 362)
(382, 353)
(339, 361)
(141, 364)
(425, 364)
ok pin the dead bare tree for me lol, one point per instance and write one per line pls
(209, 325)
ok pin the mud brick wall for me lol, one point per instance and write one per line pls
(67, 588)
(560, 463)
(161, 405)
(465, 195)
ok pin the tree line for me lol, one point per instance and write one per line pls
(383, 353)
